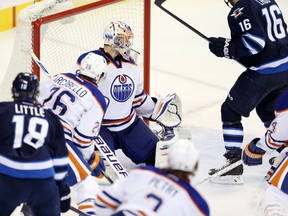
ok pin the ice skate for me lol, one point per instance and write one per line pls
(233, 176)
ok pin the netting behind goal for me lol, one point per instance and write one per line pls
(58, 31)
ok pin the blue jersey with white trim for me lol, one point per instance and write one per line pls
(259, 36)
(32, 143)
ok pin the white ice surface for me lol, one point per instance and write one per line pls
(181, 62)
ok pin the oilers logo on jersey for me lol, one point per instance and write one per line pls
(122, 88)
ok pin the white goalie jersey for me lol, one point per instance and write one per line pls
(123, 87)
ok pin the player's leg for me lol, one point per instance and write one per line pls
(139, 143)
(233, 138)
(44, 199)
(11, 194)
(86, 194)
(243, 97)
(80, 179)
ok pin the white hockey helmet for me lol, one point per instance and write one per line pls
(119, 36)
(93, 66)
(183, 155)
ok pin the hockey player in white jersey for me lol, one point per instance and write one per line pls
(80, 106)
(122, 128)
(152, 191)
(276, 196)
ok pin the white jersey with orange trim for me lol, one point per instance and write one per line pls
(123, 87)
(79, 105)
(276, 194)
(277, 135)
(279, 178)
(151, 191)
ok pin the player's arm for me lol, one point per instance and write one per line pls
(275, 137)
(59, 155)
(57, 147)
(251, 31)
(109, 199)
(85, 132)
(248, 36)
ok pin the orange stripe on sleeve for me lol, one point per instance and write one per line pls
(276, 178)
(83, 174)
(106, 203)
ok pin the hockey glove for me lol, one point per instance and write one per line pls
(253, 155)
(97, 165)
(65, 198)
(220, 46)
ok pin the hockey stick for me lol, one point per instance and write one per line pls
(101, 145)
(26, 211)
(159, 4)
(109, 155)
(39, 63)
(221, 172)
(108, 178)
(79, 212)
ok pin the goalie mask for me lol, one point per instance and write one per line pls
(183, 156)
(119, 36)
(93, 66)
(25, 85)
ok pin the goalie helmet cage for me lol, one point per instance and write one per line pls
(58, 31)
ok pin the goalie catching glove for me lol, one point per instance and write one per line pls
(168, 111)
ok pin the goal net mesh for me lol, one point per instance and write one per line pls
(58, 31)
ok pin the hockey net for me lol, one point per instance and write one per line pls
(58, 31)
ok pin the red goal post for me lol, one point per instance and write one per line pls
(58, 31)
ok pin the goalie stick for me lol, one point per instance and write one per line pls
(101, 145)
(219, 173)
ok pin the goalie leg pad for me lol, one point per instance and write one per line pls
(162, 149)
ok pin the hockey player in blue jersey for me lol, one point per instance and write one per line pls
(258, 41)
(33, 154)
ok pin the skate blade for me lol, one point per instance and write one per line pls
(229, 179)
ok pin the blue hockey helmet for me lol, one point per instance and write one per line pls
(25, 85)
